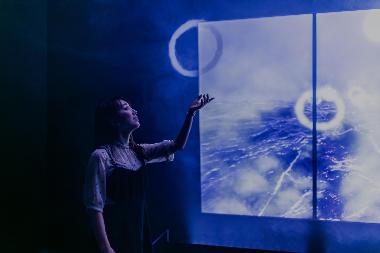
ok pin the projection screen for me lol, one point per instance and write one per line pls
(256, 137)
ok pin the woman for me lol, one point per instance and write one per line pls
(114, 192)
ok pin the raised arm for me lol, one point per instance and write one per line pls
(198, 103)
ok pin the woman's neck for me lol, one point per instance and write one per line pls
(124, 138)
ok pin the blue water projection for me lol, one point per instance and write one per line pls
(256, 139)
(255, 155)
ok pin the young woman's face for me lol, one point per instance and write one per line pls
(127, 117)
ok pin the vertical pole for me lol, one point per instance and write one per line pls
(314, 113)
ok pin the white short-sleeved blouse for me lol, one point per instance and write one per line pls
(101, 164)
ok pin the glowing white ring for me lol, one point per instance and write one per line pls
(355, 91)
(328, 94)
(173, 58)
(299, 109)
(360, 98)
(371, 26)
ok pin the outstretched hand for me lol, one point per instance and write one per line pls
(200, 102)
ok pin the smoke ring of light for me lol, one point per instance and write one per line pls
(328, 94)
(371, 26)
(360, 98)
(172, 49)
(172, 43)
(218, 52)
(299, 109)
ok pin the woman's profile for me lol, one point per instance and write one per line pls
(114, 192)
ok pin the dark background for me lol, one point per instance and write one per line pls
(58, 59)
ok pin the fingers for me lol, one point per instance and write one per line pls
(204, 99)
(207, 98)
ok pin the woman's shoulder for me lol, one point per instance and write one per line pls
(99, 153)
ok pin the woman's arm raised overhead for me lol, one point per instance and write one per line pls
(198, 103)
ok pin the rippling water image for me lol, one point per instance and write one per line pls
(263, 167)
(255, 153)
(256, 137)
(257, 167)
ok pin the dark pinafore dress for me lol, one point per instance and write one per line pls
(125, 213)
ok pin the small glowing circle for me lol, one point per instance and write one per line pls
(371, 26)
(357, 96)
(299, 109)
(172, 43)
(324, 94)
(360, 98)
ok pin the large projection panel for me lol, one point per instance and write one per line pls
(349, 150)
(255, 152)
